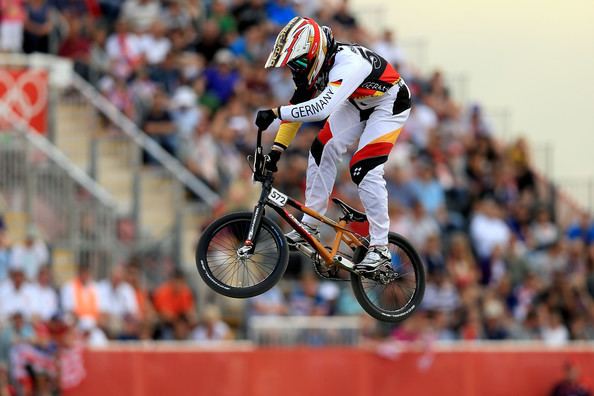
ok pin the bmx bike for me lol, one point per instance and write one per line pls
(245, 254)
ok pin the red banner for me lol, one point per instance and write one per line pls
(142, 371)
(25, 91)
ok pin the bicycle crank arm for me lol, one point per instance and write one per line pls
(344, 263)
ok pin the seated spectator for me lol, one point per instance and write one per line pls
(543, 230)
(154, 44)
(432, 254)
(211, 327)
(16, 294)
(582, 229)
(117, 92)
(201, 155)
(174, 302)
(248, 13)
(344, 17)
(495, 319)
(487, 228)
(428, 190)
(16, 330)
(400, 186)
(420, 225)
(271, 303)
(440, 293)
(141, 14)
(306, 298)
(224, 20)
(38, 26)
(117, 300)
(280, 12)
(77, 46)
(124, 50)
(176, 16)
(12, 18)
(387, 47)
(143, 302)
(460, 262)
(31, 254)
(222, 79)
(209, 40)
(80, 296)
(186, 113)
(45, 298)
(159, 125)
(99, 60)
(554, 332)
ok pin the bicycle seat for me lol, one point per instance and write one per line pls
(350, 213)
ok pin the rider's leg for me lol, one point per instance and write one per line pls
(367, 170)
(341, 130)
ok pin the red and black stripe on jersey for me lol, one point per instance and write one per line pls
(382, 77)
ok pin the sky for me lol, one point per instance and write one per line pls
(533, 59)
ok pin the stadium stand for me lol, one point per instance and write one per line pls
(502, 263)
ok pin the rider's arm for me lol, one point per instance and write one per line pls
(344, 79)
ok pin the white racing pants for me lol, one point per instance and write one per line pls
(376, 130)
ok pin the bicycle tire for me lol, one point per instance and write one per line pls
(241, 220)
(401, 313)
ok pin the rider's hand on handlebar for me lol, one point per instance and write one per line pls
(273, 157)
(264, 118)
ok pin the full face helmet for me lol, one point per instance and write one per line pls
(304, 46)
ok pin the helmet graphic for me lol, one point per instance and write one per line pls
(303, 46)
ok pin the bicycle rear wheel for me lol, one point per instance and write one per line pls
(225, 272)
(398, 299)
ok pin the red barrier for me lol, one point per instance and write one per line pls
(327, 371)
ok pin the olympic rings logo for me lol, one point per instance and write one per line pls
(25, 92)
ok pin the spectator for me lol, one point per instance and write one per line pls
(440, 293)
(543, 230)
(80, 296)
(387, 48)
(420, 225)
(117, 300)
(570, 384)
(460, 262)
(271, 303)
(306, 298)
(344, 17)
(124, 50)
(211, 327)
(428, 190)
(154, 44)
(400, 187)
(248, 13)
(16, 294)
(77, 46)
(12, 18)
(159, 125)
(554, 331)
(141, 14)
(38, 26)
(209, 41)
(280, 12)
(45, 298)
(487, 228)
(582, 229)
(186, 113)
(174, 303)
(30, 255)
(222, 79)
(18, 330)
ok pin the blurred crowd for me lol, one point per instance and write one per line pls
(190, 73)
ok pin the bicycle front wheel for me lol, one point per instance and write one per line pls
(396, 300)
(222, 269)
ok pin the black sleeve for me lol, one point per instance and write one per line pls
(302, 93)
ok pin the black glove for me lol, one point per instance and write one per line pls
(273, 157)
(264, 118)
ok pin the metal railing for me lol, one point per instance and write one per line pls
(304, 330)
(74, 213)
(132, 131)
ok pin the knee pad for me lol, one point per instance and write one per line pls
(360, 168)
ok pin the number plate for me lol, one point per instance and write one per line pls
(277, 198)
